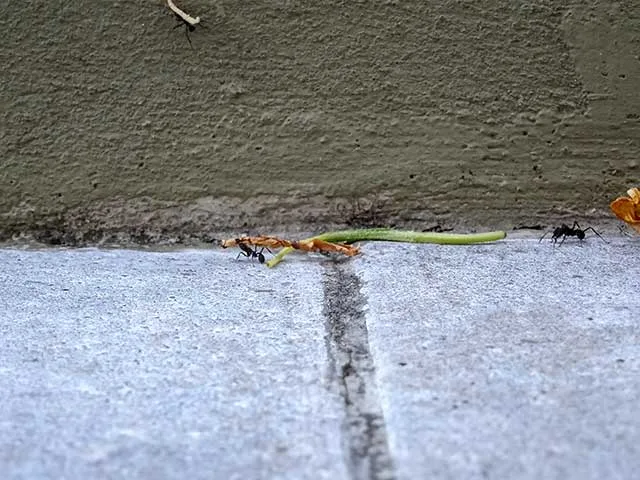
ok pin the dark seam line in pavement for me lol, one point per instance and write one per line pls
(364, 432)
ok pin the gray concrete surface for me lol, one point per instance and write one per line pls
(509, 360)
(302, 115)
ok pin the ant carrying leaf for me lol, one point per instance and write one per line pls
(185, 19)
(627, 209)
(310, 245)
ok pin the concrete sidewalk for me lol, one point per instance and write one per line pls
(509, 360)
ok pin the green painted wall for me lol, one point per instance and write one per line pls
(300, 115)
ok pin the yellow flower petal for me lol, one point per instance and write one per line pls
(627, 209)
(634, 193)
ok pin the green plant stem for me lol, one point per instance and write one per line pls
(391, 235)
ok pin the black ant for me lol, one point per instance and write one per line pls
(565, 231)
(249, 252)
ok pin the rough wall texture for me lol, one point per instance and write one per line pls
(290, 115)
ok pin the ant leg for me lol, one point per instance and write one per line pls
(545, 234)
(257, 254)
(244, 254)
(260, 256)
(186, 32)
(564, 237)
(594, 231)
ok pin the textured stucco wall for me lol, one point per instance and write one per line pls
(304, 114)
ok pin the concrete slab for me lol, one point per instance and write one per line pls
(512, 360)
(131, 364)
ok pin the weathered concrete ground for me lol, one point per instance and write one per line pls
(506, 360)
(292, 115)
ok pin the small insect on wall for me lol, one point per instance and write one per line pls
(185, 19)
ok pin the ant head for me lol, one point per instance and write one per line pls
(580, 234)
(261, 257)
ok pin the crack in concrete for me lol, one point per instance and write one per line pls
(351, 366)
